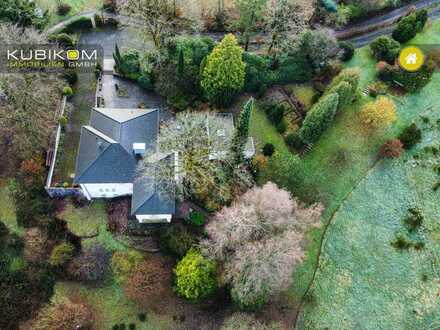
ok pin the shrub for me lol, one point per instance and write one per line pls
(223, 74)
(319, 118)
(391, 149)
(67, 91)
(347, 49)
(345, 94)
(196, 219)
(402, 241)
(412, 81)
(71, 76)
(36, 247)
(63, 39)
(195, 276)
(22, 13)
(410, 25)
(258, 73)
(294, 141)
(275, 113)
(128, 63)
(61, 254)
(62, 121)
(415, 218)
(292, 67)
(282, 127)
(411, 136)
(146, 82)
(118, 212)
(63, 314)
(148, 282)
(177, 240)
(379, 113)
(259, 163)
(124, 263)
(63, 9)
(385, 49)
(91, 265)
(142, 317)
(345, 85)
(244, 321)
(268, 149)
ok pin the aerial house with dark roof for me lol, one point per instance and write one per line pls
(110, 148)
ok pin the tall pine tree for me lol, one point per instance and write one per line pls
(241, 133)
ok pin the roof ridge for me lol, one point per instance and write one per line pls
(148, 111)
(99, 134)
(94, 161)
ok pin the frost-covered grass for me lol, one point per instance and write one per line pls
(362, 281)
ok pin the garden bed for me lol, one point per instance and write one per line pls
(82, 101)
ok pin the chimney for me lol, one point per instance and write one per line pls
(139, 149)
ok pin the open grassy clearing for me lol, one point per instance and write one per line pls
(358, 258)
(91, 220)
(365, 283)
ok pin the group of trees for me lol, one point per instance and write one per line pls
(386, 50)
(28, 103)
(225, 70)
(258, 241)
(24, 13)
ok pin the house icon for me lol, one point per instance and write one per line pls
(411, 59)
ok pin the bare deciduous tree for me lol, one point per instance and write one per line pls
(259, 240)
(202, 145)
(285, 19)
(156, 16)
(29, 100)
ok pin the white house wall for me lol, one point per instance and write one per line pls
(107, 190)
(154, 218)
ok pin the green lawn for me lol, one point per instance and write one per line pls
(365, 283)
(78, 6)
(362, 282)
(7, 208)
(331, 173)
(111, 307)
(89, 221)
(82, 103)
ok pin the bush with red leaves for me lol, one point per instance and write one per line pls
(149, 282)
(391, 149)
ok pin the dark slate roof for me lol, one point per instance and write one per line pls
(128, 126)
(152, 196)
(106, 146)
